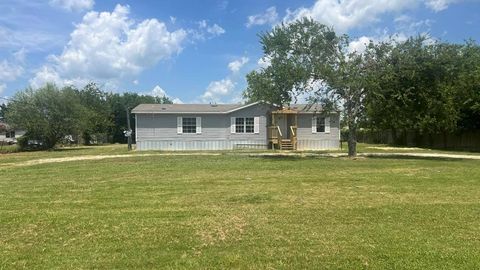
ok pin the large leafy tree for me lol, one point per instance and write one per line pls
(309, 58)
(120, 103)
(423, 87)
(98, 120)
(50, 113)
(468, 85)
(47, 114)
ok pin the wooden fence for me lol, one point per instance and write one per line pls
(466, 141)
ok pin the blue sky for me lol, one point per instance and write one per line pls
(191, 51)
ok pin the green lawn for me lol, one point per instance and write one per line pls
(235, 211)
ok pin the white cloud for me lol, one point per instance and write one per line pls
(215, 30)
(218, 89)
(236, 65)
(264, 62)
(73, 5)
(407, 24)
(158, 91)
(439, 5)
(359, 45)
(177, 101)
(348, 14)
(20, 55)
(9, 71)
(45, 74)
(37, 39)
(109, 47)
(206, 31)
(270, 16)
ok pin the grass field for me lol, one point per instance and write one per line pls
(235, 211)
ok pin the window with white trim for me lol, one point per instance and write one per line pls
(249, 125)
(244, 125)
(239, 125)
(189, 125)
(320, 124)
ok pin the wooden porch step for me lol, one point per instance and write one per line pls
(286, 144)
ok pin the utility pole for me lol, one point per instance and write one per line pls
(128, 133)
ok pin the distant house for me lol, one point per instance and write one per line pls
(9, 135)
(230, 126)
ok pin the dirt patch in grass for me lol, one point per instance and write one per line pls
(96, 157)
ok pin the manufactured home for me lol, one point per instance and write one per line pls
(230, 126)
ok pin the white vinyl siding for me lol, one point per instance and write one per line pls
(165, 131)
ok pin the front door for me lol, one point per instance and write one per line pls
(282, 124)
(290, 122)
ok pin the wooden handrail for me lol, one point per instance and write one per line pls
(293, 136)
(279, 131)
(292, 131)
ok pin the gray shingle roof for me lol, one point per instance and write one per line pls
(212, 108)
(306, 108)
(188, 108)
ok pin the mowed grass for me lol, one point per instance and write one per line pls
(235, 211)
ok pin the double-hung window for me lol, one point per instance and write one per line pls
(189, 125)
(249, 125)
(239, 125)
(320, 124)
(244, 125)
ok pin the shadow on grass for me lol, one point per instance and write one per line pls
(402, 157)
(70, 149)
(288, 158)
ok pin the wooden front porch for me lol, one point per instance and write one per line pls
(282, 133)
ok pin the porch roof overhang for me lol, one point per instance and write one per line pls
(285, 111)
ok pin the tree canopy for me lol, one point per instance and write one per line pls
(309, 58)
(50, 114)
(424, 87)
(418, 84)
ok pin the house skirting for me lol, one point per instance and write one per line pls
(171, 145)
(317, 144)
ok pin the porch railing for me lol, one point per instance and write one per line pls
(275, 135)
(293, 136)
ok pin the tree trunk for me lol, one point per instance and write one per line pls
(352, 143)
(352, 139)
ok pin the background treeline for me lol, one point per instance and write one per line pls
(423, 93)
(52, 115)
